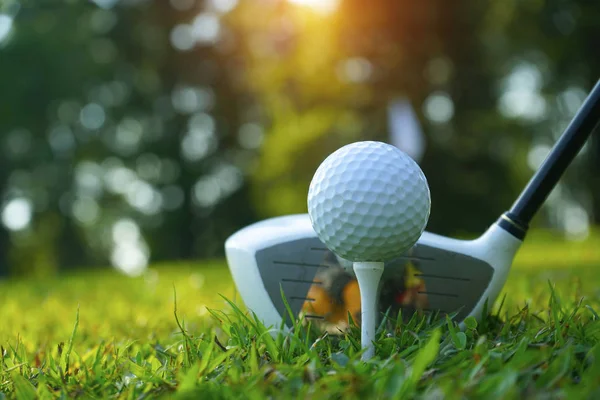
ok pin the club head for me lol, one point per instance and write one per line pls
(438, 274)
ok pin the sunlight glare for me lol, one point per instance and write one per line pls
(320, 6)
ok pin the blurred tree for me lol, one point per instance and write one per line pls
(133, 131)
(35, 76)
(546, 57)
(120, 128)
(430, 51)
(302, 110)
(325, 80)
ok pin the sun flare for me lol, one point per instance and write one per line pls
(320, 6)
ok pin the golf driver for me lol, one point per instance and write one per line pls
(438, 274)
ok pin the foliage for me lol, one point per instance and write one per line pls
(324, 80)
(98, 334)
(105, 124)
(142, 131)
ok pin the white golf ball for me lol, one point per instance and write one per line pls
(369, 201)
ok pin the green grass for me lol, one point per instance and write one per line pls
(102, 335)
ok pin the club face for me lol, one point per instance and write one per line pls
(322, 288)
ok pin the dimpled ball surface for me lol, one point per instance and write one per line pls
(369, 201)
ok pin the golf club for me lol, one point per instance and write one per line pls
(438, 274)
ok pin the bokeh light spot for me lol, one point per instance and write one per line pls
(86, 210)
(576, 221)
(17, 214)
(148, 167)
(537, 155)
(130, 258)
(222, 6)
(130, 253)
(200, 140)
(206, 192)
(355, 70)
(570, 100)
(229, 177)
(118, 179)
(88, 178)
(202, 121)
(173, 197)
(141, 195)
(61, 139)
(521, 96)
(125, 230)
(206, 28)
(250, 136)
(188, 99)
(439, 107)
(102, 21)
(128, 135)
(182, 37)
(6, 23)
(92, 116)
(106, 4)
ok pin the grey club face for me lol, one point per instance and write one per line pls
(427, 279)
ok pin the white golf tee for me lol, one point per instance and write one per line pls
(368, 275)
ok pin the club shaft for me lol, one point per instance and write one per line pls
(555, 164)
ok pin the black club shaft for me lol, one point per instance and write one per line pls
(555, 164)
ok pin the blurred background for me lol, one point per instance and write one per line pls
(138, 131)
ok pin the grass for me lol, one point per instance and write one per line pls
(169, 334)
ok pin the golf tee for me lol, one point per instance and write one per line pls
(368, 275)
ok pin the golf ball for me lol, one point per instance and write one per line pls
(369, 201)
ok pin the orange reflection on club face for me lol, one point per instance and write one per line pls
(413, 295)
(333, 314)
(336, 296)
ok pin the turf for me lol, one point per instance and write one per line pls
(170, 334)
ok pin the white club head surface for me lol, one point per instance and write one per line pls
(284, 253)
(271, 255)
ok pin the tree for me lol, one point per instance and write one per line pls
(557, 43)
(133, 128)
(325, 80)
